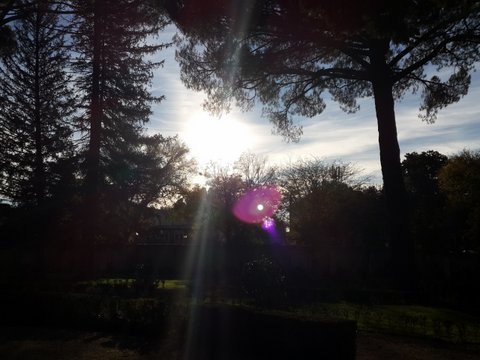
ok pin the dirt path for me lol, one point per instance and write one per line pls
(44, 343)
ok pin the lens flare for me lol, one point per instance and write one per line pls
(268, 224)
(257, 204)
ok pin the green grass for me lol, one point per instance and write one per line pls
(411, 320)
(174, 284)
(167, 284)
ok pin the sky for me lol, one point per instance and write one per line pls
(332, 135)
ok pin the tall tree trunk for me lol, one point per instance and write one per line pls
(39, 170)
(93, 153)
(39, 182)
(402, 250)
(92, 181)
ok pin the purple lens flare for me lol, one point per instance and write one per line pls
(257, 204)
(268, 224)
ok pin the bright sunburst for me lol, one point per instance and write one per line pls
(216, 139)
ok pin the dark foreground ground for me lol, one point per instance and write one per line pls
(29, 343)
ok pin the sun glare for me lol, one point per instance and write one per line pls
(215, 139)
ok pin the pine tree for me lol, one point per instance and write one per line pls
(291, 55)
(112, 42)
(37, 107)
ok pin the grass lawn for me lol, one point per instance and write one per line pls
(442, 324)
(413, 320)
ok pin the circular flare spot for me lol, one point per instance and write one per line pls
(257, 204)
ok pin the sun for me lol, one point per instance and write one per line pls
(220, 140)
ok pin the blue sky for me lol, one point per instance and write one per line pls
(332, 135)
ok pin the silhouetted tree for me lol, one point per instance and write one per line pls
(225, 188)
(254, 170)
(37, 154)
(7, 40)
(227, 184)
(155, 175)
(111, 40)
(421, 172)
(313, 191)
(459, 180)
(327, 209)
(186, 209)
(12, 11)
(37, 108)
(163, 173)
(426, 201)
(286, 54)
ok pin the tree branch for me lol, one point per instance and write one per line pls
(436, 50)
(408, 49)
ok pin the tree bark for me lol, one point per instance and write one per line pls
(401, 246)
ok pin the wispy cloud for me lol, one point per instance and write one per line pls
(332, 134)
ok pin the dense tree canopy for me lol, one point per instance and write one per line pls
(323, 203)
(421, 172)
(459, 180)
(427, 202)
(75, 98)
